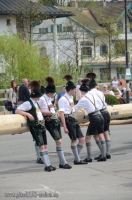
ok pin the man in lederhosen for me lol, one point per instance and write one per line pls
(92, 106)
(70, 124)
(104, 112)
(52, 121)
(31, 110)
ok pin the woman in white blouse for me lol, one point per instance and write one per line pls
(13, 95)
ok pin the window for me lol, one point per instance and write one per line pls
(43, 52)
(120, 48)
(130, 25)
(87, 51)
(8, 22)
(43, 30)
(103, 49)
(120, 27)
(68, 29)
(59, 28)
(104, 74)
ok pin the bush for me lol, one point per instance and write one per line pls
(111, 100)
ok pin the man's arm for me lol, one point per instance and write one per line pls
(31, 118)
(61, 114)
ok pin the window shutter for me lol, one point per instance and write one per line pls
(60, 27)
(52, 28)
(101, 50)
(90, 52)
(106, 49)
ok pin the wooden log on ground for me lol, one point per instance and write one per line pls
(12, 124)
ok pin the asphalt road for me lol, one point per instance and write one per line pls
(110, 180)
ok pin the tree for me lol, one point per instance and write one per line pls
(19, 59)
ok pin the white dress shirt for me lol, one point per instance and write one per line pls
(64, 105)
(26, 106)
(44, 102)
(87, 104)
(100, 97)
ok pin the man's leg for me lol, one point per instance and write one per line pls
(96, 138)
(103, 144)
(63, 163)
(45, 158)
(88, 147)
(108, 144)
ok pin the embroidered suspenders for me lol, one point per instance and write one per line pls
(70, 103)
(101, 100)
(92, 102)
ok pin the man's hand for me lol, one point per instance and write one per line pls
(66, 130)
(31, 118)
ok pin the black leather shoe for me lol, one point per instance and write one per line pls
(108, 156)
(96, 158)
(81, 162)
(47, 169)
(87, 160)
(52, 168)
(39, 161)
(66, 166)
(102, 159)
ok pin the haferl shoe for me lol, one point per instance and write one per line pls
(39, 161)
(108, 156)
(47, 169)
(96, 158)
(66, 166)
(87, 160)
(52, 168)
(81, 162)
(102, 159)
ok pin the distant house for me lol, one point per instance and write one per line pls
(20, 16)
(84, 40)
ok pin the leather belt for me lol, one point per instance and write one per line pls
(103, 110)
(94, 113)
(66, 115)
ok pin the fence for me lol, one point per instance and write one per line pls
(4, 94)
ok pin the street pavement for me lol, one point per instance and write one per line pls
(20, 174)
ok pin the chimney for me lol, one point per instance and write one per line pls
(74, 3)
(104, 3)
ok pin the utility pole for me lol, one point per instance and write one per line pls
(128, 74)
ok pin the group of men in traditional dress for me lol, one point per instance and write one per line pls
(41, 115)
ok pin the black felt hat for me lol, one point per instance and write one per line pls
(84, 87)
(92, 83)
(69, 85)
(42, 89)
(35, 89)
(92, 77)
(50, 87)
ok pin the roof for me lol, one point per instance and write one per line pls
(17, 7)
(84, 17)
(104, 14)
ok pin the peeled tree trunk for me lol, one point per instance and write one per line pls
(13, 124)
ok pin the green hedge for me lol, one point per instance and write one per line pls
(111, 100)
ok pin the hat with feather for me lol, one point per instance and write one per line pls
(84, 86)
(91, 76)
(69, 84)
(35, 89)
(50, 87)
